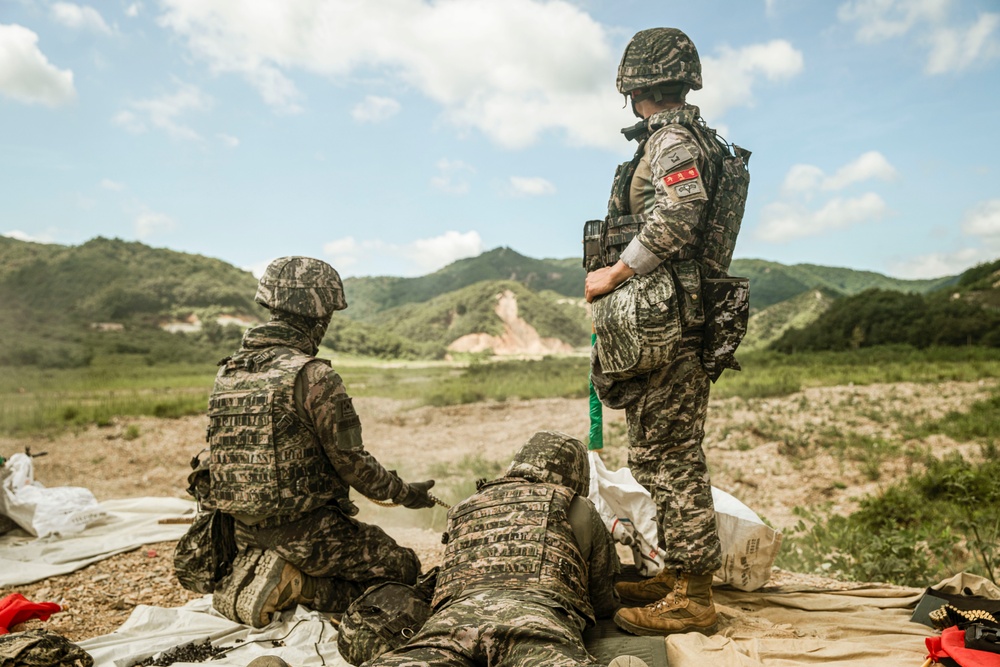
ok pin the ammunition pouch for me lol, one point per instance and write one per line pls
(687, 275)
(605, 240)
(727, 309)
(638, 325)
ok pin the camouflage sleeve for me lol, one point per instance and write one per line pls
(675, 206)
(602, 560)
(325, 405)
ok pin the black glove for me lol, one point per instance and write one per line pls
(416, 495)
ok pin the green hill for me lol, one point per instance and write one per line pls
(369, 296)
(771, 282)
(798, 312)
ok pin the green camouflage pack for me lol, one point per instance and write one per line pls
(638, 325)
(41, 648)
(383, 618)
(727, 311)
(302, 286)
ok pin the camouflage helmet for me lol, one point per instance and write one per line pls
(301, 286)
(553, 458)
(658, 57)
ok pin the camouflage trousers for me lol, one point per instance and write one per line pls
(497, 629)
(343, 555)
(666, 427)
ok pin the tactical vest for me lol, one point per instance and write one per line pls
(727, 178)
(515, 535)
(265, 460)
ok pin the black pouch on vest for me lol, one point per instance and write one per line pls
(687, 275)
(593, 231)
(727, 309)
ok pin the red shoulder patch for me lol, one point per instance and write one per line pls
(682, 175)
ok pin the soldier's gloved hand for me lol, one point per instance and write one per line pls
(416, 495)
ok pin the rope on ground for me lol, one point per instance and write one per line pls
(384, 503)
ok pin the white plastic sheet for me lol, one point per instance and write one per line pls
(44, 511)
(749, 546)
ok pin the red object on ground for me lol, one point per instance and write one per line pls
(15, 608)
(951, 644)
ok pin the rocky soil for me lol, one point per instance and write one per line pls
(773, 454)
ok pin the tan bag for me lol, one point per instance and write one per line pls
(638, 325)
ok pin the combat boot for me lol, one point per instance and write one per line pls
(229, 587)
(688, 607)
(276, 585)
(641, 593)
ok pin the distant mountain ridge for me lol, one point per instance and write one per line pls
(52, 295)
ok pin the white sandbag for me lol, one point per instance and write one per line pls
(43, 511)
(749, 546)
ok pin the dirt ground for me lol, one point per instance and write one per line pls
(773, 454)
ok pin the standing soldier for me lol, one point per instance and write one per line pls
(673, 216)
(286, 448)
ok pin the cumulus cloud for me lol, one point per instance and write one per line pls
(984, 222)
(458, 54)
(109, 184)
(950, 47)
(980, 227)
(352, 257)
(781, 221)
(452, 177)
(149, 224)
(46, 237)
(79, 17)
(375, 109)
(792, 217)
(26, 75)
(164, 112)
(731, 75)
(520, 186)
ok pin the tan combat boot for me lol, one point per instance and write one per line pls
(641, 593)
(276, 585)
(687, 608)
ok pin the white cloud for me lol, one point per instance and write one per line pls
(951, 48)
(451, 178)
(782, 221)
(228, 140)
(954, 49)
(984, 221)
(26, 75)
(982, 224)
(521, 186)
(133, 10)
(507, 68)
(418, 257)
(868, 166)
(163, 112)
(375, 109)
(79, 17)
(108, 184)
(148, 224)
(31, 238)
(938, 264)
(730, 77)
(805, 179)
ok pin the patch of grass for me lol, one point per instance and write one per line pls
(546, 378)
(131, 432)
(980, 422)
(921, 530)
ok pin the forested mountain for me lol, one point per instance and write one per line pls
(61, 305)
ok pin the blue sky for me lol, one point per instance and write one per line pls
(395, 136)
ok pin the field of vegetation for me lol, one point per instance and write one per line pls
(942, 515)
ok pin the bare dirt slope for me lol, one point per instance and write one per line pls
(773, 454)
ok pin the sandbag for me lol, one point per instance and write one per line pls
(749, 546)
(43, 511)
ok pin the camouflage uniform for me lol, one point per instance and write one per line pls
(662, 197)
(286, 447)
(529, 564)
